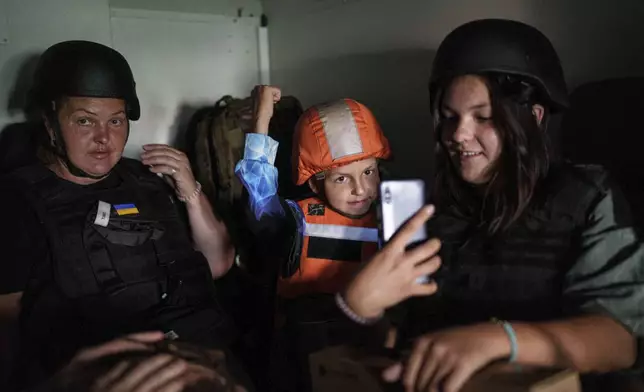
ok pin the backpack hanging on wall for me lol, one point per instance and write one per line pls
(216, 138)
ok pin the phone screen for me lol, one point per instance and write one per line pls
(399, 201)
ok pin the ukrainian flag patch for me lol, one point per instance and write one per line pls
(126, 209)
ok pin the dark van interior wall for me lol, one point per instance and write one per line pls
(380, 52)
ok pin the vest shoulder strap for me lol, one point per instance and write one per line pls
(35, 182)
(296, 231)
(594, 175)
(30, 175)
(577, 188)
(133, 169)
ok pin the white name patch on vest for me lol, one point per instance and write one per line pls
(102, 214)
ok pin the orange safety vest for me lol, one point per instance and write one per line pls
(333, 249)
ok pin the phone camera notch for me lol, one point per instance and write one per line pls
(386, 196)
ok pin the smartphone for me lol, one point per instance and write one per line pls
(399, 201)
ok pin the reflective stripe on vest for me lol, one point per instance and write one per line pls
(363, 234)
(333, 248)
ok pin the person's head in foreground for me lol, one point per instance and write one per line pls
(145, 362)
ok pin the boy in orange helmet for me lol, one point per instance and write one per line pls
(336, 148)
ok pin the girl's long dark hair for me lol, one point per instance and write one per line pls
(522, 165)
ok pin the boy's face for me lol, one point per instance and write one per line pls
(351, 188)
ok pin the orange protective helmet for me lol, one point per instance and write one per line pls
(335, 134)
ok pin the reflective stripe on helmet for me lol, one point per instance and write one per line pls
(340, 129)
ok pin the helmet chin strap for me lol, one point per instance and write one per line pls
(78, 172)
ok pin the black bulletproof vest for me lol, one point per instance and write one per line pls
(517, 275)
(133, 268)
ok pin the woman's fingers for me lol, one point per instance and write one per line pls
(407, 231)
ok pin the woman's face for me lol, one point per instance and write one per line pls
(95, 131)
(467, 129)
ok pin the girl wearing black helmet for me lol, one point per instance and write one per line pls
(540, 262)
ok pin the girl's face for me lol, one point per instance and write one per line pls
(467, 129)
